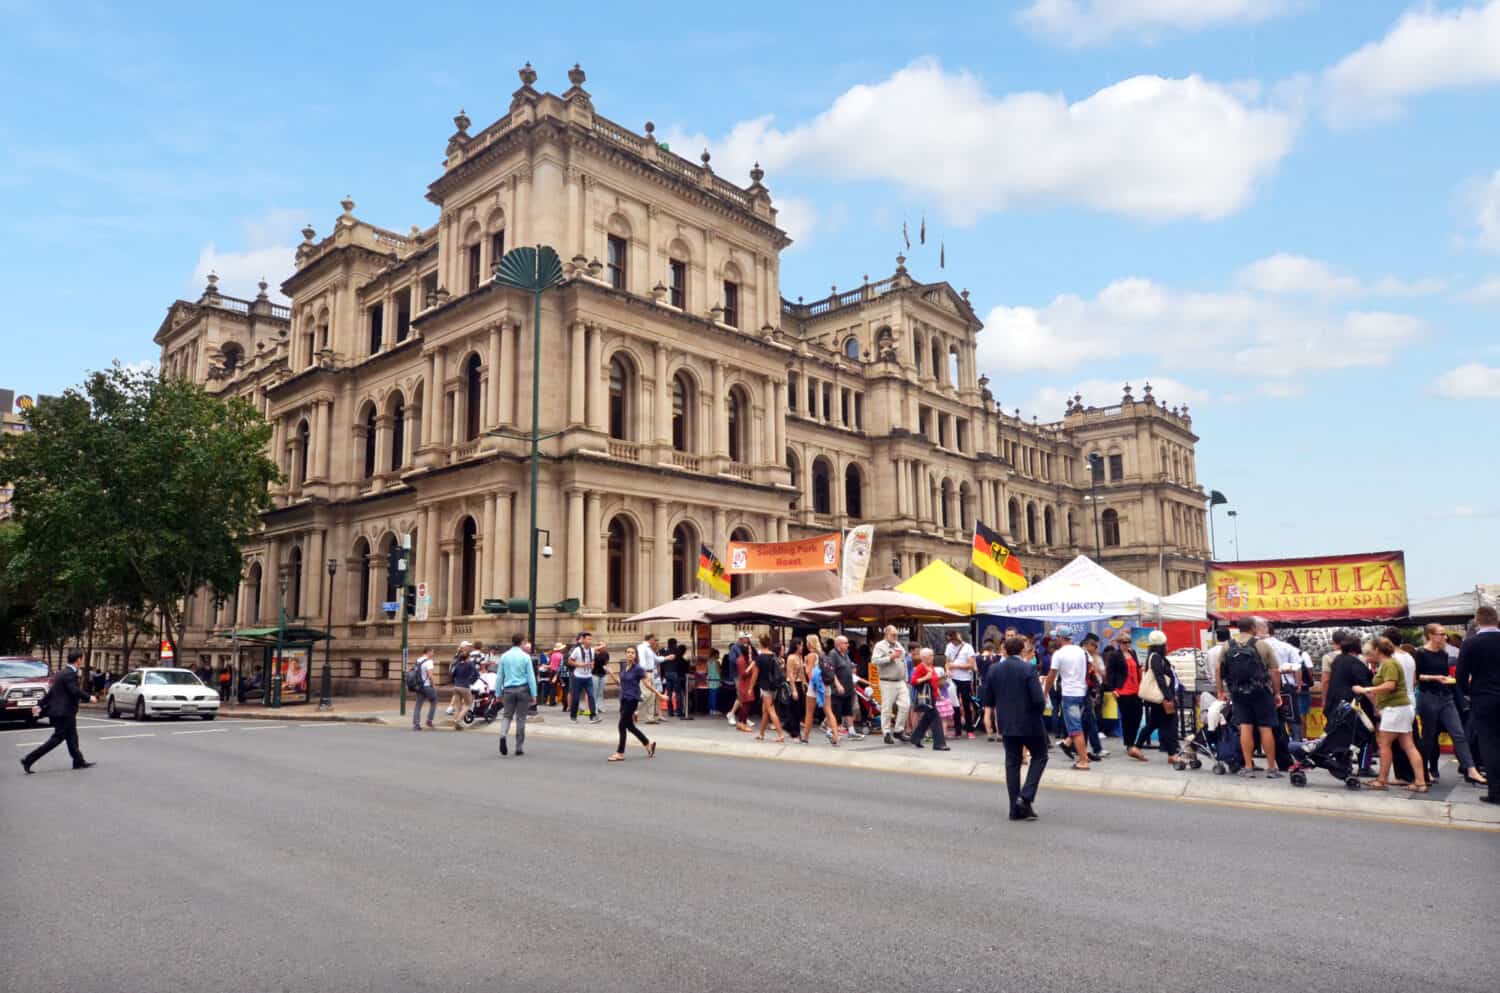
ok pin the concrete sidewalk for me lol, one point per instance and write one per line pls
(1451, 803)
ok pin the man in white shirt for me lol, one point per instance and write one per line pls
(1070, 667)
(427, 692)
(581, 678)
(645, 654)
(961, 667)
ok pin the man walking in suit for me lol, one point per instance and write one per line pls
(61, 705)
(1013, 698)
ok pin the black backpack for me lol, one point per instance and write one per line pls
(414, 678)
(1243, 669)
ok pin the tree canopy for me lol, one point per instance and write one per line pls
(133, 491)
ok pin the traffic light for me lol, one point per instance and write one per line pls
(515, 605)
(411, 600)
(395, 566)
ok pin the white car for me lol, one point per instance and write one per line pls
(153, 692)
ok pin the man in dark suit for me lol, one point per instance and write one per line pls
(1013, 698)
(61, 705)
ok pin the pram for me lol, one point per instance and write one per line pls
(1348, 731)
(1215, 739)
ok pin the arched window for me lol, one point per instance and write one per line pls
(1110, 522)
(304, 442)
(684, 403)
(821, 486)
(740, 583)
(473, 398)
(739, 425)
(621, 399)
(946, 499)
(371, 439)
(794, 472)
(937, 358)
(854, 486)
(618, 564)
(1049, 526)
(294, 583)
(684, 559)
(362, 556)
(398, 432)
(1013, 514)
(953, 367)
(1031, 523)
(468, 567)
(851, 349)
(1072, 534)
(230, 356)
(391, 593)
(963, 506)
(917, 350)
(252, 587)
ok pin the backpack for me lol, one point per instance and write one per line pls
(1242, 667)
(414, 678)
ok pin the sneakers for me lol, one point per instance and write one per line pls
(1068, 749)
(888, 739)
(504, 749)
(855, 735)
(1103, 753)
(1247, 773)
(971, 735)
(596, 720)
(1273, 774)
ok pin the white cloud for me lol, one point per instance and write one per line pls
(1049, 402)
(1289, 274)
(1428, 49)
(1259, 341)
(1144, 147)
(269, 253)
(1484, 199)
(1090, 22)
(798, 217)
(1471, 381)
(1485, 291)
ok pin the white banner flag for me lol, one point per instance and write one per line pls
(858, 543)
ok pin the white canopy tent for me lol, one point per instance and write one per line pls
(1189, 605)
(1082, 590)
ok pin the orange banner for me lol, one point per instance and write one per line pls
(818, 554)
(1348, 587)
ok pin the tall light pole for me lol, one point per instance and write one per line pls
(325, 694)
(1096, 469)
(273, 683)
(534, 271)
(1234, 515)
(1214, 499)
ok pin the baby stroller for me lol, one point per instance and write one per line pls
(1348, 731)
(486, 704)
(1215, 739)
(869, 710)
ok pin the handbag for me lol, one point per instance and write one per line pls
(944, 705)
(924, 696)
(1150, 690)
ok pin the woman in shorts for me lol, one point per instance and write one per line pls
(1397, 713)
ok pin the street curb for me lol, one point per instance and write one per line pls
(326, 717)
(1361, 806)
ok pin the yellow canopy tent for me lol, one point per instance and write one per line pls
(945, 585)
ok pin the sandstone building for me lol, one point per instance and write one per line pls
(690, 403)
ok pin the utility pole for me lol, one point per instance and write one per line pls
(400, 585)
(1096, 466)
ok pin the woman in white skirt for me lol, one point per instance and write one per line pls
(1394, 702)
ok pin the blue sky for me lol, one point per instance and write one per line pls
(1285, 212)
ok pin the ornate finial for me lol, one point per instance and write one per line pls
(833, 289)
(965, 294)
(1127, 398)
(757, 173)
(416, 232)
(984, 380)
(263, 287)
(1018, 413)
(704, 158)
(900, 262)
(1078, 399)
(576, 76)
(650, 130)
(527, 74)
(461, 121)
(348, 205)
(307, 234)
(1147, 396)
(213, 283)
(595, 267)
(1184, 410)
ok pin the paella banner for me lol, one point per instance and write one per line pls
(1340, 587)
(820, 554)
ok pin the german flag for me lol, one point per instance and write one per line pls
(992, 555)
(711, 570)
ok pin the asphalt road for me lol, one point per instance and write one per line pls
(257, 857)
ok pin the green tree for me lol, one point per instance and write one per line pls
(135, 492)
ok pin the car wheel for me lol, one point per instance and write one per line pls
(110, 708)
(209, 717)
(140, 710)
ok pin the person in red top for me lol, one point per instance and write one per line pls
(925, 689)
(1122, 677)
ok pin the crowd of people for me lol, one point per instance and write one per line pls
(915, 695)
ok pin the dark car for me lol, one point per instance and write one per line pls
(23, 681)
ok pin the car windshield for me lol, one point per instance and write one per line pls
(22, 669)
(172, 677)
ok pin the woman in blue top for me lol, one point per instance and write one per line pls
(632, 681)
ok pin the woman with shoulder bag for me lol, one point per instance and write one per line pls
(926, 691)
(795, 689)
(771, 681)
(1158, 692)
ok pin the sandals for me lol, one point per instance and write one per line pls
(617, 757)
(1080, 768)
(781, 739)
(651, 750)
(1417, 789)
(1376, 785)
(1470, 778)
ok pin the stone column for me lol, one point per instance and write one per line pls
(507, 380)
(594, 380)
(594, 564)
(500, 561)
(661, 554)
(577, 544)
(427, 553)
(450, 568)
(719, 422)
(488, 547)
(661, 405)
(492, 395)
(576, 381)
(314, 574)
(899, 509)
(429, 390)
(778, 421)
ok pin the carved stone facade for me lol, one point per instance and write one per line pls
(687, 403)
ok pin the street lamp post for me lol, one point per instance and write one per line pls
(273, 684)
(325, 696)
(1096, 468)
(1234, 515)
(534, 271)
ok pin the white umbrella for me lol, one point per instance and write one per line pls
(880, 606)
(686, 609)
(771, 607)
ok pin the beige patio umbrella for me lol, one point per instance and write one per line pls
(686, 609)
(880, 607)
(771, 607)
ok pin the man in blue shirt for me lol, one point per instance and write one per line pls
(517, 682)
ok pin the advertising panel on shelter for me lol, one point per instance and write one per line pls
(1337, 587)
(819, 554)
